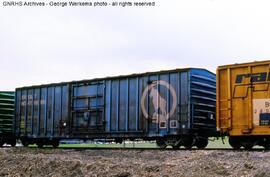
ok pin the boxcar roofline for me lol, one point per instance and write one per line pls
(237, 65)
(114, 77)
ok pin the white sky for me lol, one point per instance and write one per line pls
(54, 44)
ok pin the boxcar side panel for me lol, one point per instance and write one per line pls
(243, 99)
(42, 111)
(184, 101)
(143, 122)
(132, 113)
(147, 106)
(203, 99)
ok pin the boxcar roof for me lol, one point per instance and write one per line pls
(117, 77)
(236, 65)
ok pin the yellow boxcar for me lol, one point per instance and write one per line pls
(243, 103)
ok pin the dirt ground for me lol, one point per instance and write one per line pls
(21, 161)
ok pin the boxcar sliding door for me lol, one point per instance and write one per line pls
(87, 100)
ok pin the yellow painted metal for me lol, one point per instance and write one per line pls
(217, 102)
(243, 98)
(229, 99)
(250, 107)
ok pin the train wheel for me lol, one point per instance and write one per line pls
(201, 143)
(55, 144)
(265, 142)
(161, 144)
(176, 147)
(235, 143)
(40, 145)
(188, 147)
(266, 147)
(248, 146)
(1, 143)
(25, 143)
(13, 143)
(188, 143)
(118, 141)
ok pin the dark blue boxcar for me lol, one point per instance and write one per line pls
(175, 107)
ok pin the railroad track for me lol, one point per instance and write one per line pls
(137, 148)
(147, 149)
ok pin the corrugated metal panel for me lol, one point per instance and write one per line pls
(203, 99)
(7, 102)
(43, 111)
(243, 98)
(151, 104)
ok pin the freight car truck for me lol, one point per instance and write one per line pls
(174, 107)
(243, 104)
(7, 108)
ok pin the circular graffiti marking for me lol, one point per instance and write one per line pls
(158, 101)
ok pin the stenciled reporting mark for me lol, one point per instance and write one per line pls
(78, 3)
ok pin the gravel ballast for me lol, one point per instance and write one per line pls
(123, 163)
